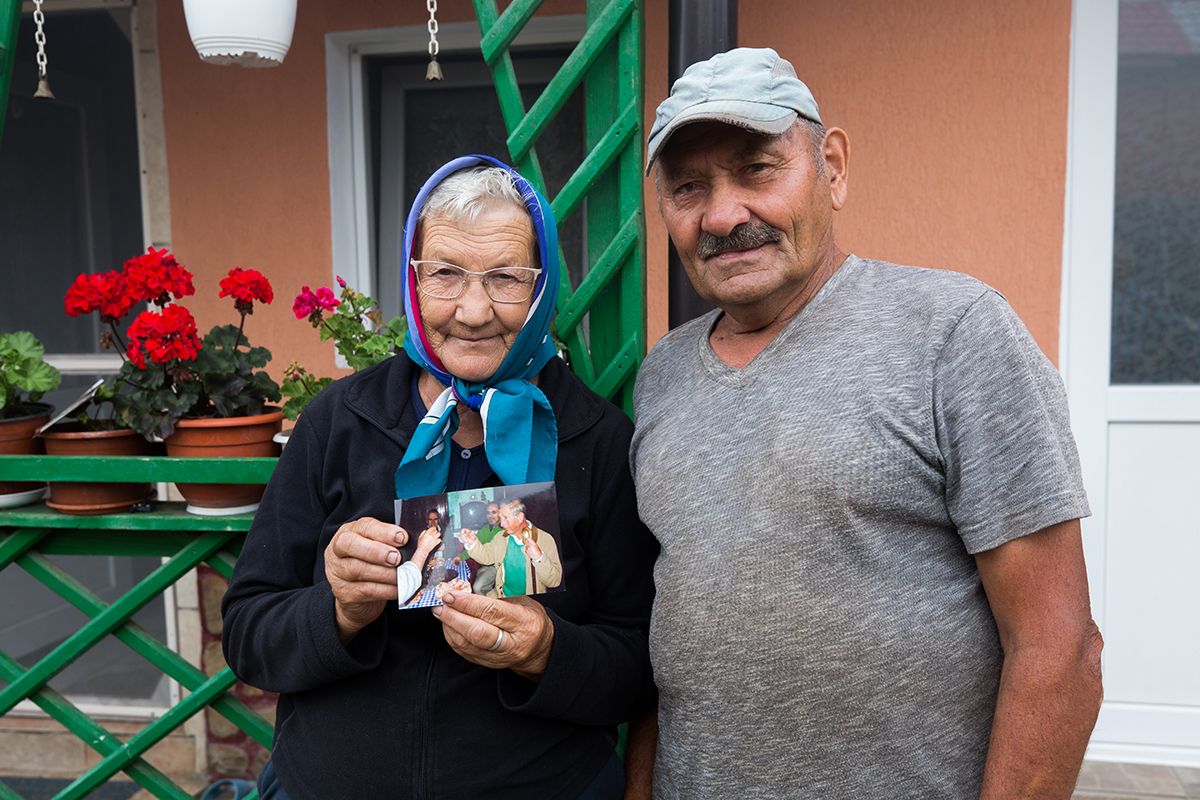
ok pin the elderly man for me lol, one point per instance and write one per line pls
(526, 557)
(895, 431)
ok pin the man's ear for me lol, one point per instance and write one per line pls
(837, 165)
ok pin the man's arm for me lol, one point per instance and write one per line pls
(1050, 687)
(640, 750)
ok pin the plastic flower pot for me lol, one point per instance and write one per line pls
(17, 439)
(87, 499)
(231, 437)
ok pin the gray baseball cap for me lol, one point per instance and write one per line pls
(751, 87)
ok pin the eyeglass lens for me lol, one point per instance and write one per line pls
(448, 281)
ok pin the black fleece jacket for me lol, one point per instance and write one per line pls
(397, 713)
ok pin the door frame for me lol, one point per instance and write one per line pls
(1086, 340)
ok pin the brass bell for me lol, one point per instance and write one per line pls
(434, 71)
(43, 88)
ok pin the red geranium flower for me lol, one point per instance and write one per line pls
(162, 338)
(245, 286)
(117, 300)
(155, 276)
(84, 296)
(105, 293)
(308, 302)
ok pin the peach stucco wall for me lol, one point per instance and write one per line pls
(248, 163)
(956, 111)
(957, 116)
(657, 70)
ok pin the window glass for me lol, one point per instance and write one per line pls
(70, 185)
(1156, 238)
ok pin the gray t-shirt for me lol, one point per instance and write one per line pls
(820, 629)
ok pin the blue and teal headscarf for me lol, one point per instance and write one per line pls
(519, 430)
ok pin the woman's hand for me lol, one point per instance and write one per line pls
(429, 539)
(360, 564)
(472, 625)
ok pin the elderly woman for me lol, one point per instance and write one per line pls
(376, 702)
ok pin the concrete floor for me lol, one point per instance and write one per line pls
(1098, 780)
(1102, 780)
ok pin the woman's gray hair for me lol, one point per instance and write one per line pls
(468, 193)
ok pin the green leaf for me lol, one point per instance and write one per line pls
(293, 407)
(24, 374)
(36, 377)
(25, 345)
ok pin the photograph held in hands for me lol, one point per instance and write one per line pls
(496, 541)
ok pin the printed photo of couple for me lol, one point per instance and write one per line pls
(498, 541)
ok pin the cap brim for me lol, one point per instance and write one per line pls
(765, 118)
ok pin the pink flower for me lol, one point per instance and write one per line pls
(341, 281)
(309, 303)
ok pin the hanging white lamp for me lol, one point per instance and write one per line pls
(252, 33)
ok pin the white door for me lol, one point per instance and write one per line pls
(1131, 358)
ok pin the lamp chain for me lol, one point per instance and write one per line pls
(39, 36)
(434, 71)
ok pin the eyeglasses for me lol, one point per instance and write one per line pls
(448, 281)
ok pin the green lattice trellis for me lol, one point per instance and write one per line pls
(29, 535)
(607, 60)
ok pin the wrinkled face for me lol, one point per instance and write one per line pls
(472, 334)
(493, 514)
(511, 521)
(750, 215)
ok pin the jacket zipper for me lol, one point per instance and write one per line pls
(424, 778)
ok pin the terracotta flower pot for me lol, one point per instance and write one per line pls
(17, 439)
(231, 437)
(85, 499)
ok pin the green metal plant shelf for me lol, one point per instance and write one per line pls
(29, 534)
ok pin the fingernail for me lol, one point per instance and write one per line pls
(448, 597)
(437, 611)
(399, 537)
(393, 558)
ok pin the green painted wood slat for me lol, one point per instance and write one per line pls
(165, 517)
(600, 32)
(599, 276)
(104, 623)
(144, 644)
(148, 736)
(597, 161)
(136, 469)
(10, 26)
(15, 545)
(506, 28)
(619, 370)
(92, 733)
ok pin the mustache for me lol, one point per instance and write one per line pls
(746, 236)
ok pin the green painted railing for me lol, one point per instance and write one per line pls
(29, 534)
(10, 26)
(607, 184)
